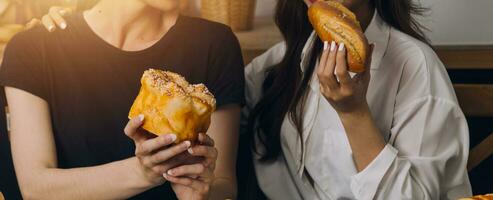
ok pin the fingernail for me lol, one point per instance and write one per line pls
(63, 25)
(172, 137)
(141, 117)
(51, 28)
(326, 45)
(341, 47)
(187, 144)
(190, 150)
(333, 46)
(170, 172)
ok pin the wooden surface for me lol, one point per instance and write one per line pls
(475, 100)
(266, 35)
(466, 57)
(480, 152)
(257, 41)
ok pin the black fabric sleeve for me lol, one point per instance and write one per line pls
(226, 73)
(23, 65)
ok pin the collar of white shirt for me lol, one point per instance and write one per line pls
(378, 32)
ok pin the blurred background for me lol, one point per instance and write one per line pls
(458, 22)
(461, 32)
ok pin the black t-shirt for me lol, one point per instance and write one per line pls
(91, 85)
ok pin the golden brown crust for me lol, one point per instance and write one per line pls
(480, 197)
(171, 105)
(334, 22)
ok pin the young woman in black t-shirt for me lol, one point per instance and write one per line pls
(69, 93)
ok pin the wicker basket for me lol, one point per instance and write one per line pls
(241, 15)
(238, 14)
(216, 10)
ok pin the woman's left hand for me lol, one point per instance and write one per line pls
(194, 181)
(345, 93)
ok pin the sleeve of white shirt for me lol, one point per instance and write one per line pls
(427, 153)
(256, 72)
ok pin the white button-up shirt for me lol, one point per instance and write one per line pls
(415, 108)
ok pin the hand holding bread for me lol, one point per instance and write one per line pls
(344, 92)
(194, 181)
(179, 114)
(345, 50)
(156, 155)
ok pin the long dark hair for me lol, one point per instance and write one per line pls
(278, 91)
(285, 88)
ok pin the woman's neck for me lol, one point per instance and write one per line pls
(130, 25)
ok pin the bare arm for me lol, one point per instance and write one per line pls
(225, 132)
(34, 155)
(364, 136)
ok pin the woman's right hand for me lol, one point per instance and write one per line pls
(53, 19)
(156, 155)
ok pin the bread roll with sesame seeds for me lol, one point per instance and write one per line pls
(334, 22)
(171, 105)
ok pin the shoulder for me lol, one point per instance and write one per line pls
(267, 60)
(39, 36)
(257, 70)
(28, 38)
(404, 49)
(201, 23)
(422, 73)
(216, 38)
(26, 45)
(211, 30)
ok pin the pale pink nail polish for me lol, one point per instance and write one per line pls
(141, 117)
(341, 47)
(172, 137)
(326, 45)
(333, 46)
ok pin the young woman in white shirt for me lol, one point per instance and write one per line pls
(317, 131)
(395, 131)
